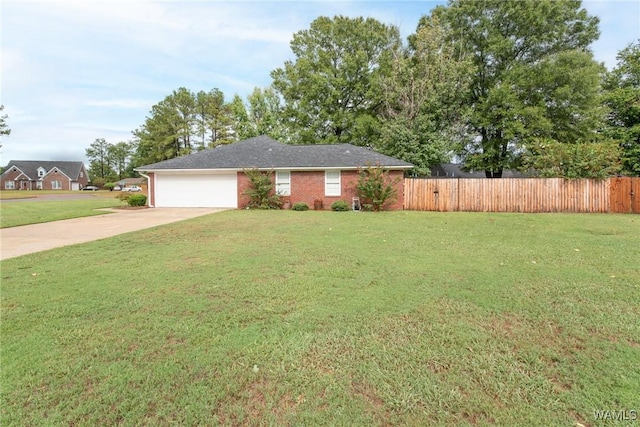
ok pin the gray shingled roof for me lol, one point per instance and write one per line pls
(30, 167)
(263, 152)
(454, 170)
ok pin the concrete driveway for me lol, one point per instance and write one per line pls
(17, 241)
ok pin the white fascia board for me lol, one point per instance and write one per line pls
(188, 171)
(298, 168)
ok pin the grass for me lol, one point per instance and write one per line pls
(31, 194)
(323, 318)
(13, 214)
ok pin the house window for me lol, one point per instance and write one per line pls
(41, 172)
(332, 183)
(56, 185)
(9, 185)
(283, 183)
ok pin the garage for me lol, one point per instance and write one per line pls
(196, 190)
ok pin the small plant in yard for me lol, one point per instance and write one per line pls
(376, 188)
(261, 193)
(339, 206)
(137, 200)
(300, 206)
(124, 197)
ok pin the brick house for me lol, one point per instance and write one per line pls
(44, 175)
(312, 174)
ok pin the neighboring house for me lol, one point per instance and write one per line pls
(44, 175)
(127, 182)
(302, 173)
(454, 170)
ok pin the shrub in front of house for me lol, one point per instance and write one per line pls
(376, 188)
(137, 200)
(261, 193)
(339, 206)
(300, 206)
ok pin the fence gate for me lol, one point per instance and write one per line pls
(624, 195)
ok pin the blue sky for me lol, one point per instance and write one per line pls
(76, 70)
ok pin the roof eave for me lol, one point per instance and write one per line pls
(266, 168)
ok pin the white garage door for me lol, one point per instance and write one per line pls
(196, 191)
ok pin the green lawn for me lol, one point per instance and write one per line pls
(323, 318)
(32, 194)
(13, 214)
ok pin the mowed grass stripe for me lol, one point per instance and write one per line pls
(16, 213)
(322, 318)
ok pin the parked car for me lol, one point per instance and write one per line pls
(117, 188)
(90, 188)
(133, 188)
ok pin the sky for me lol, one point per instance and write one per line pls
(73, 71)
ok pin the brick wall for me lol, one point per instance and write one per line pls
(243, 184)
(308, 186)
(10, 175)
(83, 180)
(47, 181)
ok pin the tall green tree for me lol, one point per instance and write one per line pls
(622, 96)
(213, 118)
(593, 160)
(532, 77)
(4, 128)
(329, 91)
(241, 124)
(159, 137)
(261, 114)
(119, 156)
(423, 99)
(181, 123)
(183, 103)
(100, 165)
(265, 114)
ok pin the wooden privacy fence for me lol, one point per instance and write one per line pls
(522, 195)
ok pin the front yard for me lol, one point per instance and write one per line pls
(24, 212)
(324, 318)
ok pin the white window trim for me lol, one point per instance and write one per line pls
(328, 181)
(283, 183)
(41, 172)
(56, 187)
(9, 185)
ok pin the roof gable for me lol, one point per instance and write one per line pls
(54, 170)
(263, 152)
(30, 167)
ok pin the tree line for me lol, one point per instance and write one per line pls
(495, 85)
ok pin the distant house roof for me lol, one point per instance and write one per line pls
(263, 152)
(30, 167)
(131, 181)
(454, 170)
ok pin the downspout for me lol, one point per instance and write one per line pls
(149, 188)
